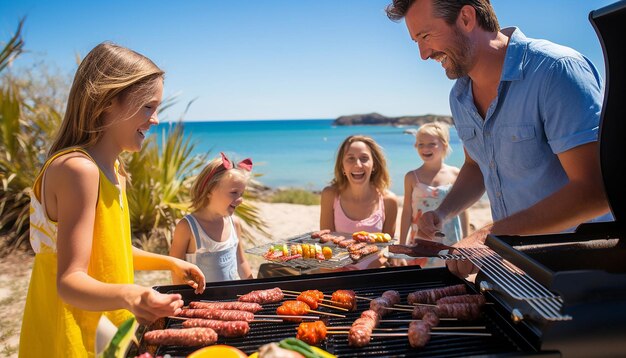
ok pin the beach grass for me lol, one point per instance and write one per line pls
(295, 196)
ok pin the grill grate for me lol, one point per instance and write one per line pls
(516, 283)
(502, 340)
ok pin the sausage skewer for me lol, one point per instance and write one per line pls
(228, 305)
(189, 337)
(226, 329)
(318, 335)
(263, 296)
(432, 295)
(229, 315)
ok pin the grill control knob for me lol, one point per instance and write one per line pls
(517, 316)
(485, 286)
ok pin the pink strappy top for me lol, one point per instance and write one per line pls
(374, 223)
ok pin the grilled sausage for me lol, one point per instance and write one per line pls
(477, 299)
(226, 329)
(380, 305)
(238, 306)
(221, 315)
(359, 336)
(429, 318)
(392, 296)
(345, 243)
(188, 337)
(364, 251)
(462, 311)
(419, 334)
(319, 234)
(356, 247)
(263, 296)
(326, 238)
(371, 314)
(431, 296)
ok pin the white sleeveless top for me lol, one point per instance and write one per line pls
(217, 260)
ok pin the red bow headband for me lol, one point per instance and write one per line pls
(227, 164)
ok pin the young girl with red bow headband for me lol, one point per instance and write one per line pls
(209, 236)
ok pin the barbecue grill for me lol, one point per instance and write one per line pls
(550, 295)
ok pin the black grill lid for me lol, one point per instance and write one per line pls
(610, 25)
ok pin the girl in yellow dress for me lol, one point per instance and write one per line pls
(79, 220)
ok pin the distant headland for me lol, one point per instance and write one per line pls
(377, 119)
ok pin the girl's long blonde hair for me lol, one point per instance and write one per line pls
(380, 176)
(108, 71)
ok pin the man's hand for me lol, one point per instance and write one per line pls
(428, 225)
(464, 268)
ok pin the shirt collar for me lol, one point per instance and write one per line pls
(513, 67)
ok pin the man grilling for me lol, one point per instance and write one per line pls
(527, 112)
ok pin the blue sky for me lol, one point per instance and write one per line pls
(278, 59)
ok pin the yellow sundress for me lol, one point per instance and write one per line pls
(52, 328)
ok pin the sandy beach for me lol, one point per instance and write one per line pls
(284, 220)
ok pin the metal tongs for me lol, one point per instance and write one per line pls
(427, 248)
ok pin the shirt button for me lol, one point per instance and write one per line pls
(498, 194)
(514, 137)
(487, 133)
(492, 164)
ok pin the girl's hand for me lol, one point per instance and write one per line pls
(149, 305)
(189, 273)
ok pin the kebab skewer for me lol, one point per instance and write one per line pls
(313, 298)
(233, 315)
(299, 308)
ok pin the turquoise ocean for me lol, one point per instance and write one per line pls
(301, 153)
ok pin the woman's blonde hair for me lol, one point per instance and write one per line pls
(441, 131)
(208, 179)
(380, 175)
(108, 71)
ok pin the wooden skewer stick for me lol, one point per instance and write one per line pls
(478, 334)
(255, 320)
(437, 328)
(315, 318)
(399, 305)
(328, 314)
(399, 309)
(411, 320)
(322, 304)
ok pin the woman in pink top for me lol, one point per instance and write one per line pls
(358, 198)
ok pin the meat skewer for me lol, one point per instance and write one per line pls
(473, 299)
(313, 298)
(295, 308)
(386, 302)
(229, 315)
(188, 337)
(263, 296)
(432, 295)
(226, 329)
(232, 305)
(462, 311)
(344, 300)
(359, 337)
